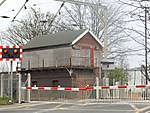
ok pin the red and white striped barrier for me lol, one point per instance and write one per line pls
(57, 88)
(123, 87)
(86, 88)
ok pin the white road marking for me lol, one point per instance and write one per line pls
(140, 110)
(145, 108)
(92, 109)
(52, 109)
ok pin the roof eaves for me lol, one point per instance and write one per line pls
(96, 38)
(86, 31)
(53, 46)
(79, 37)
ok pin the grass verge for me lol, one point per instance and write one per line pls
(5, 101)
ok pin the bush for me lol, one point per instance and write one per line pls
(4, 100)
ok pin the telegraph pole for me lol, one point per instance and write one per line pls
(146, 74)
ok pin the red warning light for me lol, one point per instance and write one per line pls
(15, 51)
(5, 51)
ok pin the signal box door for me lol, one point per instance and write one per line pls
(92, 57)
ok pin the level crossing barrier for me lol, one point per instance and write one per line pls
(106, 93)
(86, 88)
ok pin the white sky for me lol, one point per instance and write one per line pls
(11, 7)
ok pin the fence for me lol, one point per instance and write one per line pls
(106, 93)
(5, 85)
(66, 61)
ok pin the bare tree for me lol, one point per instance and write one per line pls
(73, 17)
(94, 18)
(136, 22)
(139, 29)
(35, 24)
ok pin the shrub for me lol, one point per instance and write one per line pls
(4, 101)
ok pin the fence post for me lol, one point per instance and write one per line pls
(19, 84)
(97, 88)
(29, 85)
(2, 85)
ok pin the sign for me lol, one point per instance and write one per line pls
(10, 53)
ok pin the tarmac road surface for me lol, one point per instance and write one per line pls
(77, 107)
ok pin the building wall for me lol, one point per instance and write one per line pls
(135, 77)
(79, 78)
(83, 49)
(45, 78)
(84, 78)
(108, 66)
(46, 58)
(80, 55)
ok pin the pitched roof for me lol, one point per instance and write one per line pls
(60, 38)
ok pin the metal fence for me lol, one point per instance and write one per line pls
(44, 95)
(106, 93)
(5, 85)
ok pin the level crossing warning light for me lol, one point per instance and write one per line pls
(10, 53)
(5, 51)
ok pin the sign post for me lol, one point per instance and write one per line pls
(11, 53)
(11, 80)
(29, 85)
(18, 73)
(19, 92)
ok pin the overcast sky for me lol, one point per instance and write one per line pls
(11, 7)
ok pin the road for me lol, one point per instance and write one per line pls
(66, 107)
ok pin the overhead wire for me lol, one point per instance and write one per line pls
(50, 24)
(23, 6)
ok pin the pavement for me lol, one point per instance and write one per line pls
(76, 107)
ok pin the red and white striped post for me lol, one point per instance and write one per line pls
(29, 85)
